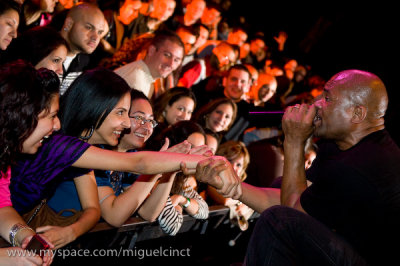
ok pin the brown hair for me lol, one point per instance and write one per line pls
(232, 150)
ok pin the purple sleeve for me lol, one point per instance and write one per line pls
(35, 177)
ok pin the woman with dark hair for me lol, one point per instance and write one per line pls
(40, 46)
(28, 115)
(183, 192)
(9, 21)
(95, 110)
(174, 105)
(217, 116)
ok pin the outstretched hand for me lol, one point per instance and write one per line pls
(183, 147)
(202, 150)
(218, 173)
(58, 235)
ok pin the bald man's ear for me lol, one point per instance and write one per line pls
(359, 114)
(68, 24)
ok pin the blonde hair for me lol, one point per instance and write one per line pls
(232, 150)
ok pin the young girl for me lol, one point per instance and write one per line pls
(174, 105)
(28, 114)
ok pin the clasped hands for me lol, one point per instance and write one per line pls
(218, 173)
(297, 122)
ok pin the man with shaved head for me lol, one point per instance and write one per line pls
(350, 214)
(83, 28)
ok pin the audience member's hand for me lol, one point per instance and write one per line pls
(7, 259)
(58, 235)
(218, 172)
(297, 122)
(47, 255)
(183, 147)
(281, 39)
(175, 200)
(242, 209)
(202, 150)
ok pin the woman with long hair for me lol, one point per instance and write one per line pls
(217, 116)
(28, 115)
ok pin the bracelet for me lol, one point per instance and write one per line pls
(15, 229)
(187, 203)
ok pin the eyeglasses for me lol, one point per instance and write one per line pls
(142, 120)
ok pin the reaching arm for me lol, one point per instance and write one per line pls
(217, 197)
(144, 162)
(259, 199)
(220, 175)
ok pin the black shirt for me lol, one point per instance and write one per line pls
(356, 192)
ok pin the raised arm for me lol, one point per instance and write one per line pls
(144, 162)
(297, 124)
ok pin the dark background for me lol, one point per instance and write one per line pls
(333, 38)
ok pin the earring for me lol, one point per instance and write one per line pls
(65, 29)
(164, 113)
(88, 136)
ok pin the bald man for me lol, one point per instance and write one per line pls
(83, 28)
(350, 215)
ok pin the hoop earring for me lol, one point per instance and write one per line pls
(88, 136)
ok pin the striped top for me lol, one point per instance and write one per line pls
(171, 220)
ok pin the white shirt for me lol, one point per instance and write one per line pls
(138, 76)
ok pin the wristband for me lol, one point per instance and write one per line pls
(187, 203)
(15, 229)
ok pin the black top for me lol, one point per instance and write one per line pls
(356, 192)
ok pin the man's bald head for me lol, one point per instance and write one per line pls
(79, 10)
(362, 88)
(83, 28)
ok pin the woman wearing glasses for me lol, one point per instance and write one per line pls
(122, 193)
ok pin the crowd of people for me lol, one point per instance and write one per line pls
(158, 108)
